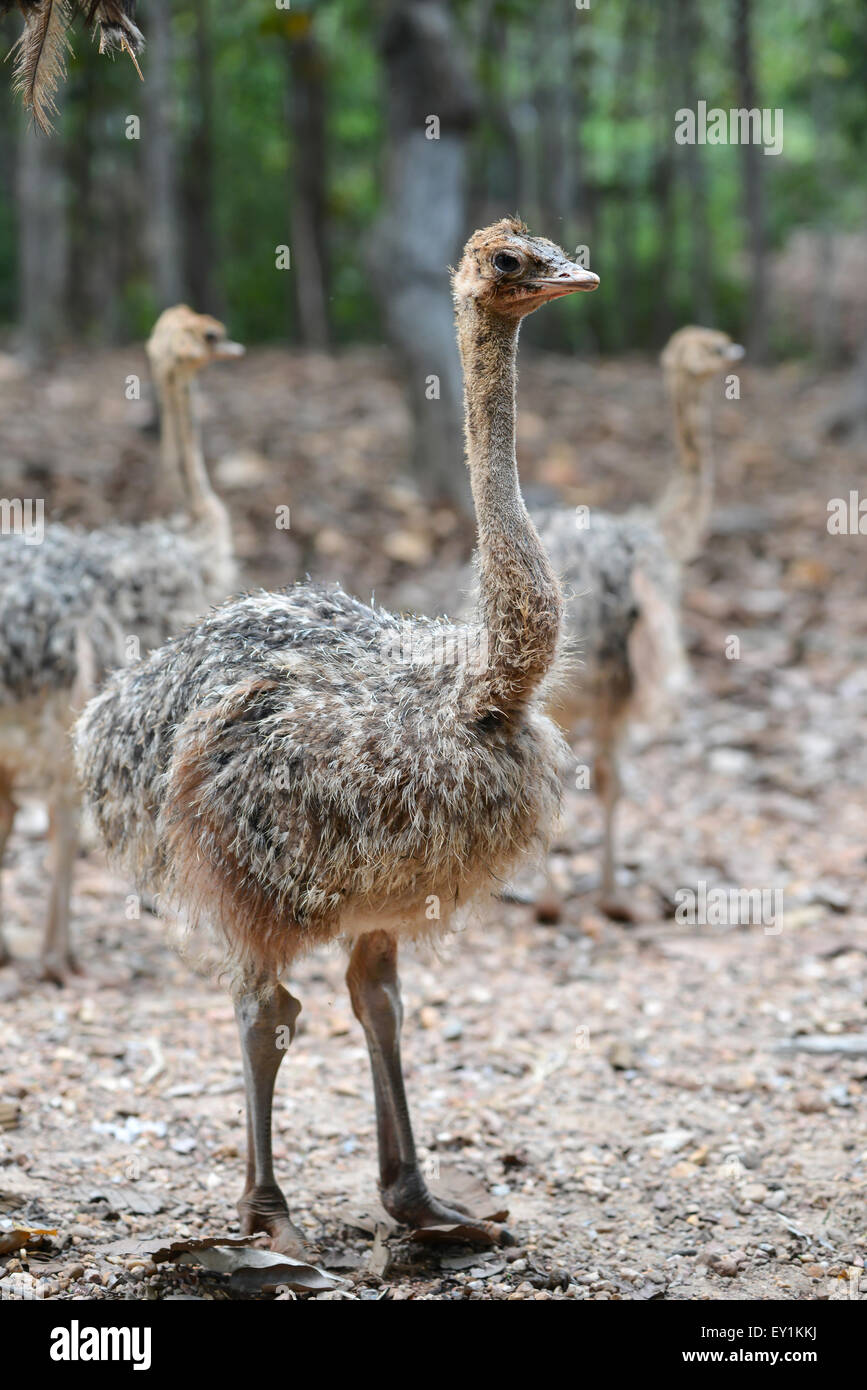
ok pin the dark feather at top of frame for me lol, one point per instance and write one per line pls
(40, 52)
(115, 20)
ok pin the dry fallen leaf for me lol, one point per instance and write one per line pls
(251, 1269)
(20, 1236)
(256, 1271)
(380, 1256)
(454, 1234)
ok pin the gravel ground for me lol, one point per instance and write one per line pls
(634, 1095)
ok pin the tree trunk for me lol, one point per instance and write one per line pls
(554, 151)
(497, 161)
(556, 121)
(42, 241)
(422, 226)
(630, 54)
(83, 231)
(688, 30)
(307, 112)
(162, 215)
(200, 239)
(752, 165)
(665, 173)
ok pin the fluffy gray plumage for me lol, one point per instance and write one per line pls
(285, 772)
(80, 595)
(622, 596)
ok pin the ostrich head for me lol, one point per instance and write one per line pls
(699, 353)
(182, 342)
(507, 272)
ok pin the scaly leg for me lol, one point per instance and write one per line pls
(266, 1024)
(7, 816)
(608, 785)
(58, 961)
(374, 989)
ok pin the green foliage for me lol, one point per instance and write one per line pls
(576, 133)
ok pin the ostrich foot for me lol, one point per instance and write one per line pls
(58, 967)
(264, 1209)
(549, 908)
(409, 1202)
(618, 908)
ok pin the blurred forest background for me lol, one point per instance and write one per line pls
(308, 128)
(263, 126)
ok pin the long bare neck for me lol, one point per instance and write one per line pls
(685, 505)
(183, 460)
(520, 599)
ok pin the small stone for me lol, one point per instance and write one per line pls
(721, 1261)
(670, 1141)
(621, 1056)
(684, 1169)
(811, 1103)
(595, 1187)
(10, 1114)
(754, 1191)
(839, 1095)
(777, 1199)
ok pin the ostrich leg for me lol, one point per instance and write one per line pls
(374, 989)
(58, 962)
(608, 785)
(7, 816)
(266, 1024)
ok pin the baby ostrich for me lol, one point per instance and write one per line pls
(300, 768)
(622, 575)
(80, 603)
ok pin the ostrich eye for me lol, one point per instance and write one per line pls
(211, 336)
(506, 262)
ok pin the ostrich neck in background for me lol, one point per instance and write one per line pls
(688, 498)
(181, 450)
(520, 598)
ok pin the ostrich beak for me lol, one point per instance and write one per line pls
(734, 352)
(227, 348)
(571, 278)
